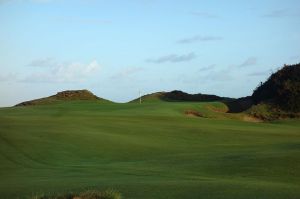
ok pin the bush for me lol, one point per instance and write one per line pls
(282, 88)
(269, 112)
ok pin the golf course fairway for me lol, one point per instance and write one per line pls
(147, 151)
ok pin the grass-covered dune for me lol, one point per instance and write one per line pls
(149, 151)
(70, 95)
(180, 96)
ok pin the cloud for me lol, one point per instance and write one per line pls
(207, 68)
(277, 13)
(45, 62)
(127, 72)
(249, 62)
(295, 57)
(204, 15)
(260, 73)
(8, 77)
(280, 14)
(63, 72)
(198, 38)
(173, 58)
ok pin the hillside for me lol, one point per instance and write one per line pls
(180, 96)
(282, 89)
(279, 96)
(70, 95)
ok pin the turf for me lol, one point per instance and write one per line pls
(149, 151)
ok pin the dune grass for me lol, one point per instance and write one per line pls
(152, 150)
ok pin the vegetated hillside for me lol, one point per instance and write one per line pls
(282, 88)
(179, 96)
(69, 95)
(279, 96)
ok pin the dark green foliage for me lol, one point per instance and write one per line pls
(269, 112)
(281, 89)
(239, 105)
(182, 96)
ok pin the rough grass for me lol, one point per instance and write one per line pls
(89, 194)
(61, 97)
(148, 151)
(269, 112)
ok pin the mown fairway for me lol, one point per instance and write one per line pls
(148, 151)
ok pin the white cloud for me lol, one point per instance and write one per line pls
(127, 72)
(92, 67)
(249, 62)
(63, 72)
(173, 58)
(199, 38)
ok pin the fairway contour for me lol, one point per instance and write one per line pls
(149, 150)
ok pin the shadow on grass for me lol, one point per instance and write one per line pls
(239, 105)
(90, 194)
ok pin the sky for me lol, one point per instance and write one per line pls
(116, 48)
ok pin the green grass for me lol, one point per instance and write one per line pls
(88, 194)
(147, 151)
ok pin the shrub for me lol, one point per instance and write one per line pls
(282, 88)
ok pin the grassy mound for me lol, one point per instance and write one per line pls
(179, 96)
(70, 95)
(90, 194)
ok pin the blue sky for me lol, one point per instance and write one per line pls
(116, 48)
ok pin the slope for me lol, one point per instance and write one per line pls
(179, 96)
(279, 96)
(70, 95)
(149, 150)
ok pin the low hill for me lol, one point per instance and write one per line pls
(281, 89)
(279, 96)
(180, 96)
(70, 95)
